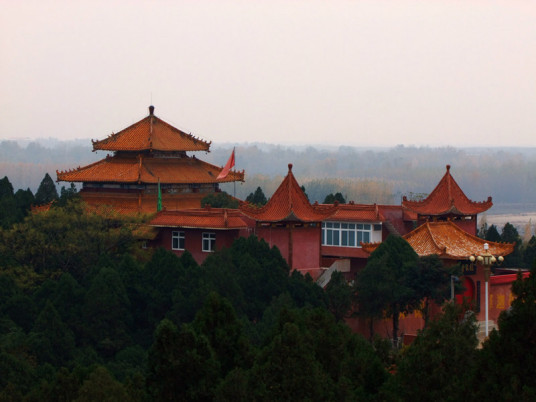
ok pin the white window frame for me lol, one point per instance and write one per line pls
(179, 239)
(208, 242)
(348, 234)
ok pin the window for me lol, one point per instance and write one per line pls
(209, 242)
(347, 234)
(177, 240)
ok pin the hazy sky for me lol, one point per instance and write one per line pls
(360, 73)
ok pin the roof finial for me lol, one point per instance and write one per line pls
(448, 168)
(151, 110)
(290, 167)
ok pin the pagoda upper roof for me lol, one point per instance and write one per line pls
(447, 198)
(151, 133)
(205, 218)
(448, 241)
(130, 168)
(288, 203)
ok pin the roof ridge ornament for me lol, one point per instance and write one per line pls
(151, 110)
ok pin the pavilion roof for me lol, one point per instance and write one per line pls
(148, 169)
(151, 133)
(447, 198)
(288, 203)
(205, 218)
(448, 241)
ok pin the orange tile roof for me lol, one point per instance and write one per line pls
(151, 133)
(288, 203)
(205, 218)
(448, 241)
(148, 169)
(447, 198)
(357, 212)
(130, 203)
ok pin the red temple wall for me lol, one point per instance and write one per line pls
(193, 241)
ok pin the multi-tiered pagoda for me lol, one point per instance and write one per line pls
(145, 154)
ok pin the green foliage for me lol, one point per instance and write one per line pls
(506, 368)
(432, 282)
(258, 198)
(331, 198)
(441, 362)
(107, 312)
(69, 239)
(492, 234)
(384, 287)
(181, 365)
(47, 191)
(101, 386)
(529, 254)
(510, 235)
(340, 296)
(219, 200)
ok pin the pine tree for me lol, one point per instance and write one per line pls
(47, 191)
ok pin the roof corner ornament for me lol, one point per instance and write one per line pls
(290, 167)
(151, 110)
(448, 168)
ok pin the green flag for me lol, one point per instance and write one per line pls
(159, 203)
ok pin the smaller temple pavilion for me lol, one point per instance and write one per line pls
(455, 246)
(146, 155)
(447, 202)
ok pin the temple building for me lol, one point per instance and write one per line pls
(146, 155)
(319, 239)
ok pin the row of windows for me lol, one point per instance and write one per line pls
(348, 234)
(208, 241)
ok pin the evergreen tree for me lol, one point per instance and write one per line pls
(258, 198)
(385, 285)
(340, 296)
(47, 191)
(219, 200)
(511, 235)
(492, 234)
(331, 198)
(529, 254)
(506, 370)
(440, 364)
(181, 365)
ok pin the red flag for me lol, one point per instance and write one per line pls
(225, 171)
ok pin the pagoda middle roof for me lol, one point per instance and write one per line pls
(127, 168)
(204, 218)
(151, 133)
(448, 241)
(447, 198)
(288, 203)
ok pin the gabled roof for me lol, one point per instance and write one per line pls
(288, 203)
(448, 241)
(204, 218)
(148, 169)
(447, 198)
(151, 133)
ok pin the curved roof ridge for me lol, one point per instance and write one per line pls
(447, 197)
(287, 203)
(144, 135)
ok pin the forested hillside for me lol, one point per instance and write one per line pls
(86, 314)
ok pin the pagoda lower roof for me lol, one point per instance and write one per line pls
(202, 218)
(151, 133)
(447, 199)
(448, 241)
(131, 168)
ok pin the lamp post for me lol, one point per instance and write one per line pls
(486, 260)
